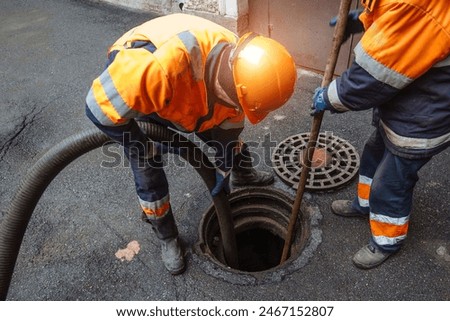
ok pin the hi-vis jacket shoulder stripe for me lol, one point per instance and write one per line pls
(402, 68)
(169, 80)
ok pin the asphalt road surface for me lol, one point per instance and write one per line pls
(50, 53)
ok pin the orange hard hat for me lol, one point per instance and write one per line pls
(264, 75)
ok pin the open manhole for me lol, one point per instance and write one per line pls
(341, 161)
(261, 218)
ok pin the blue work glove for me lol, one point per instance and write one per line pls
(319, 104)
(222, 183)
(354, 25)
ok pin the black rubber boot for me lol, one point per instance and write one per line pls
(166, 231)
(243, 173)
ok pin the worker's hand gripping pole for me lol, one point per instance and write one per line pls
(338, 37)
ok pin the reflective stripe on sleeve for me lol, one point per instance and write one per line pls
(333, 97)
(379, 71)
(95, 109)
(414, 143)
(442, 63)
(115, 98)
(112, 109)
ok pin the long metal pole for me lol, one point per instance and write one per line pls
(338, 37)
(227, 230)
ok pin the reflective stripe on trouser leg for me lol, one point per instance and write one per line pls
(150, 180)
(363, 191)
(370, 158)
(391, 200)
(151, 184)
(155, 209)
(153, 191)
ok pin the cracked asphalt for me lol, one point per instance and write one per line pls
(51, 51)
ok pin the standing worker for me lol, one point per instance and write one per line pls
(193, 75)
(402, 71)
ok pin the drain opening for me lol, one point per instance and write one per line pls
(260, 217)
(258, 250)
(259, 239)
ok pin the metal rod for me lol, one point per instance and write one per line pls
(338, 37)
(227, 230)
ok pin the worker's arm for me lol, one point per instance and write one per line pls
(134, 84)
(356, 89)
(131, 137)
(131, 86)
(398, 47)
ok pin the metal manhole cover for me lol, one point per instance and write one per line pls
(344, 164)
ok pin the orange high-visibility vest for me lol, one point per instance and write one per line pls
(401, 70)
(396, 46)
(170, 81)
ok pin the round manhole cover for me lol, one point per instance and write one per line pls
(342, 161)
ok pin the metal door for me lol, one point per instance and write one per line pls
(301, 26)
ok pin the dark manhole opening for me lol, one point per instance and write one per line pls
(261, 218)
(258, 250)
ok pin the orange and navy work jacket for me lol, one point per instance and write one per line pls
(402, 70)
(170, 81)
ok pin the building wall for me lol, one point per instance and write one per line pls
(233, 14)
(157, 6)
(300, 25)
(303, 28)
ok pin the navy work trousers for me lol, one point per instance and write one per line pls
(385, 192)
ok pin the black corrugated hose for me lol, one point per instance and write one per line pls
(33, 185)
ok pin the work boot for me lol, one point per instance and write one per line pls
(166, 231)
(345, 208)
(251, 177)
(369, 256)
(244, 174)
(172, 256)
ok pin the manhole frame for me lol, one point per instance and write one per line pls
(304, 243)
